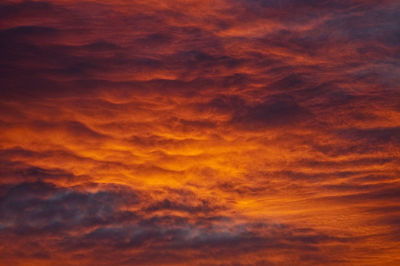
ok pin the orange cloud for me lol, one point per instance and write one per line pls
(222, 132)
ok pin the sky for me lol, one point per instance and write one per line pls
(200, 132)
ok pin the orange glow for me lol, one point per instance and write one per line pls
(188, 132)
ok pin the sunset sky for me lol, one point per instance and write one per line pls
(199, 132)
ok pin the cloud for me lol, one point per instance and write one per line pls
(94, 219)
(223, 132)
(277, 111)
(40, 208)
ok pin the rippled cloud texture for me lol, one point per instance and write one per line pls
(200, 132)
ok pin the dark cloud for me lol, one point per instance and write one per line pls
(41, 209)
(38, 208)
(166, 204)
(374, 136)
(277, 111)
(25, 8)
(19, 33)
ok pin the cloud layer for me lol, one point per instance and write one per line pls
(224, 132)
